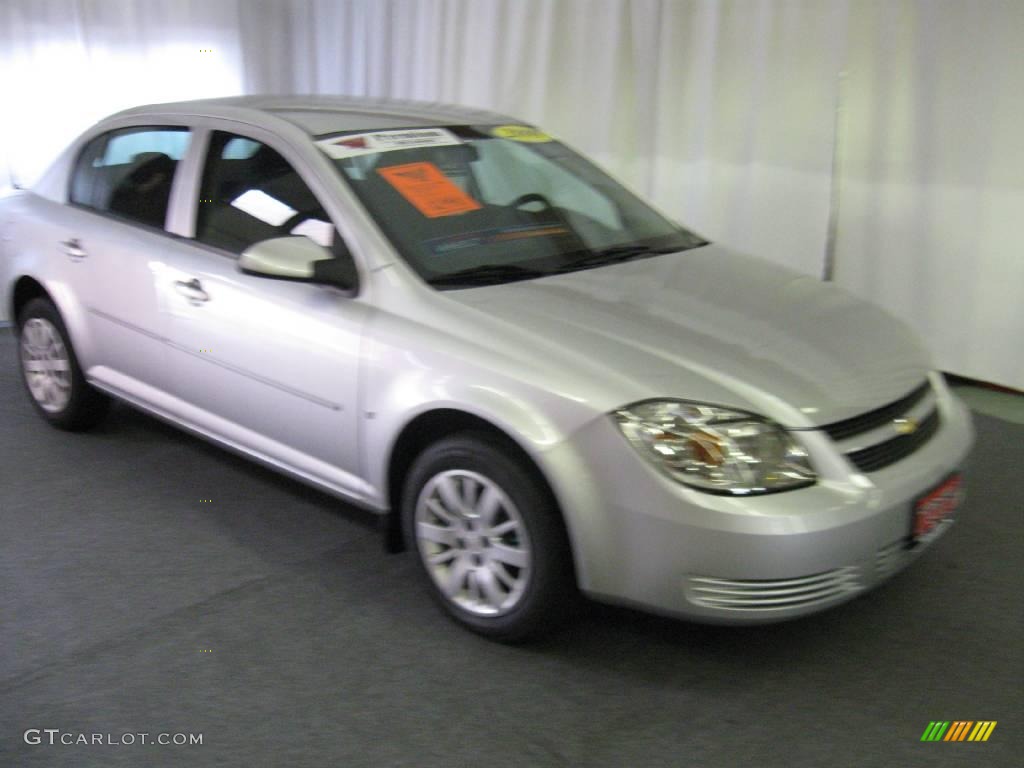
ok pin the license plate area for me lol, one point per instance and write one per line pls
(935, 506)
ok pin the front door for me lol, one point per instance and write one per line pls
(268, 365)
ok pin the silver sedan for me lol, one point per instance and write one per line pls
(541, 383)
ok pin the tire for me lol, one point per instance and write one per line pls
(513, 585)
(50, 371)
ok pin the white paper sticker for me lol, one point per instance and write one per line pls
(357, 144)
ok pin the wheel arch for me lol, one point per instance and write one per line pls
(25, 289)
(435, 424)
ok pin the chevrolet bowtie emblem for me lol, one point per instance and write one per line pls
(904, 426)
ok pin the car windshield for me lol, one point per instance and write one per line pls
(478, 205)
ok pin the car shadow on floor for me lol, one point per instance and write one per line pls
(125, 423)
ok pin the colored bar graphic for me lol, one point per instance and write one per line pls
(935, 730)
(958, 730)
(982, 730)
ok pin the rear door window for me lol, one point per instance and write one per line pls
(128, 173)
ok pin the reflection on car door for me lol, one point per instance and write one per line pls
(269, 365)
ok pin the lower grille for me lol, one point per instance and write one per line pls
(889, 559)
(779, 594)
(889, 452)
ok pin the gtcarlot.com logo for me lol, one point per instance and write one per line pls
(55, 736)
(958, 730)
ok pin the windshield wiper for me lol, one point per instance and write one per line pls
(487, 274)
(492, 274)
(618, 253)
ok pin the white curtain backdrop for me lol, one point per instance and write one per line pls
(724, 113)
(931, 220)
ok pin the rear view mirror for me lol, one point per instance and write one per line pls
(296, 257)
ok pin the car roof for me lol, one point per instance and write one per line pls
(319, 115)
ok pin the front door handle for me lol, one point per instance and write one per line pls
(192, 290)
(73, 249)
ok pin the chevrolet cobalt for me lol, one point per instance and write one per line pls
(543, 385)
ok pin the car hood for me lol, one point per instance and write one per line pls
(713, 325)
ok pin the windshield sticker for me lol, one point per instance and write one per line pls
(443, 245)
(520, 133)
(353, 145)
(430, 191)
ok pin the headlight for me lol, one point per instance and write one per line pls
(715, 449)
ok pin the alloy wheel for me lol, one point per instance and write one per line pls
(473, 542)
(46, 364)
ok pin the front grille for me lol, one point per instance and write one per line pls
(851, 427)
(883, 454)
(871, 441)
(730, 594)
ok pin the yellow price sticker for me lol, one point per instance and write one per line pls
(520, 133)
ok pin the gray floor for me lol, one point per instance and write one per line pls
(269, 621)
(1003, 405)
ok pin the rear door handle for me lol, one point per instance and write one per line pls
(73, 249)
(192, 290)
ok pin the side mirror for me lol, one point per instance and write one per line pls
(296, 257)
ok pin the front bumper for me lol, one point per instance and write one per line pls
(642, 539)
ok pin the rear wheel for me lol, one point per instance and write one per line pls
(489, 538)
(50, 370)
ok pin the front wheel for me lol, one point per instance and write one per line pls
(489, 538)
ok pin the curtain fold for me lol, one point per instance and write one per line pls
(724, 113)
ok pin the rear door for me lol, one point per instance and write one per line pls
(120, 189)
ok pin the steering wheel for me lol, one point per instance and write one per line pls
(531, 197)
(535, 197)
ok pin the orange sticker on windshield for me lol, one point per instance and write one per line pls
(433, 193)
